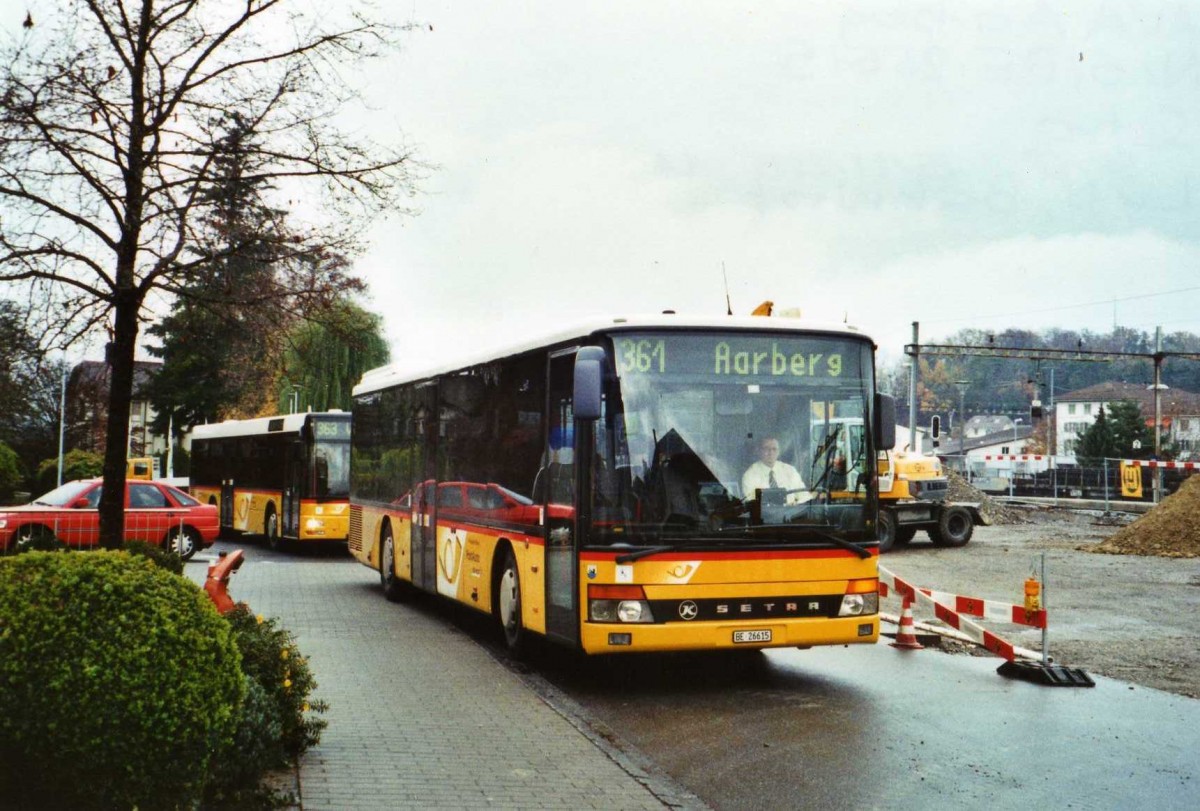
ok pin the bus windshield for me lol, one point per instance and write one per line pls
(708, 437)
(331, 458)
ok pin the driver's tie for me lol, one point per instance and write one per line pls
(771, 480)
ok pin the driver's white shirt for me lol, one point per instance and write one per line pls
(758, 476)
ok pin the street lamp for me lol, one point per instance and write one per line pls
(1012, 475)
(912, 407)
(962, 385)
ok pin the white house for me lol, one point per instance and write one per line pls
(1076, 411)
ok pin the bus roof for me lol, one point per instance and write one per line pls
(393, 374)
(282, 423)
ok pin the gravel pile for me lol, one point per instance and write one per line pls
(993, 512)
(1170, 530)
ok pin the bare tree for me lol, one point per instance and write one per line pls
(113, 118)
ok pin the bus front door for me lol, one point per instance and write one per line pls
(227, 503)
(424, 528)
(293, 481)
(562, 622)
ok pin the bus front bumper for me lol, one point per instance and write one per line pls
(675, 636)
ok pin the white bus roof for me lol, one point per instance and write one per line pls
(393, 374)
(258, 425)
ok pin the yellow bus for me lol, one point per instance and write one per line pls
(286, 478)
(593, 488)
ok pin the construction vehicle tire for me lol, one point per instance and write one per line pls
(886, 531)
(904, 535)
(954, 527)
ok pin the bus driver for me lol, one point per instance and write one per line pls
(770, 473)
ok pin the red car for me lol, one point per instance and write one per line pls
(156, 513)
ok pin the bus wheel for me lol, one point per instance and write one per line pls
(508, 601)
(183, 541)
(954, 528)
(886, 531)
(393, 587)
(271, 525)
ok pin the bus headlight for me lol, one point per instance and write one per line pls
(619, 611)
(633, 611)
(856, 605)
(618, 604)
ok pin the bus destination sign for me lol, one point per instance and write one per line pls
(761, 357)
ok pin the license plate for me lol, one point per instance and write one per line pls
(752, 636)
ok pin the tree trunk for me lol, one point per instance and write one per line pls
(120, 355)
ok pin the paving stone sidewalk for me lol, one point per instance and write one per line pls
(421, 714)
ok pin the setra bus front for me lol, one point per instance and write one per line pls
(707, 509)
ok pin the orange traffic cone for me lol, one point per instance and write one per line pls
(906, 638)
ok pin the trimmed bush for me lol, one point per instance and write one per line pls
(118, 681)
(163, 558)
(279, 720)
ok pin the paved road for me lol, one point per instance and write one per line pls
(421, 714)
(873, 727)
(426, 714)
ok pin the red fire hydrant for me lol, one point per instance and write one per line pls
(218, 579)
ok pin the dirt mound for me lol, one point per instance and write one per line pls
(992, 511)
(1170, 530)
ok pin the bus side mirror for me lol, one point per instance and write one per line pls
(885, 422)
(589, 366)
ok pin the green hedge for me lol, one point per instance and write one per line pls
(118, 681)
(279, 720)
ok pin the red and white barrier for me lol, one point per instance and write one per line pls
(1018, 457)
(1164, 465)
(942, 602)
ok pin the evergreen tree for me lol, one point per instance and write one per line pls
(1129, 429)
(217, 344)
(1097, 443)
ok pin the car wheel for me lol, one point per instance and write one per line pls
(508, 604)
(954, 528)
(34, 538)
(886, 531)
(394, 588)
(183, 541)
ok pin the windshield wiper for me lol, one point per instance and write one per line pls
(630, 557)
(694, 545)
(820, 533)
(842, 542)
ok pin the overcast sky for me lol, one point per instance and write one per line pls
(985, 164)
(977, 164)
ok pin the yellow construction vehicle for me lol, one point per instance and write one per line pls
(912, 488)
(912, 497)
(141, 467)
